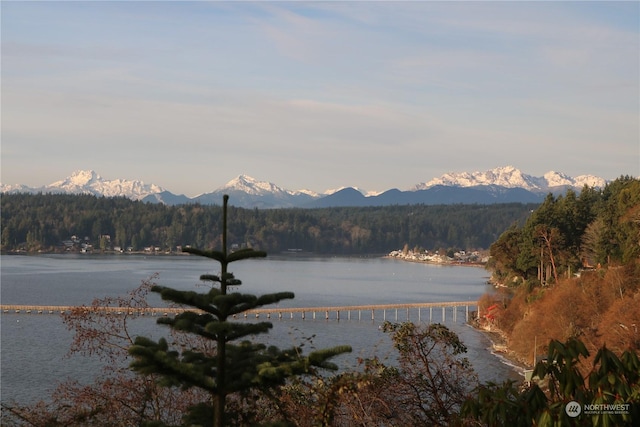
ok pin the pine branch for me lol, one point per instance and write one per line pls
(194, 299)
(155, 358)
(233, 331)
(221, 257)
(209, 278)
(216, 255)
(245, 254)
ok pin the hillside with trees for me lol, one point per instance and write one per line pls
(572, 271)
(59, 223)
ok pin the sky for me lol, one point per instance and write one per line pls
(317, 95)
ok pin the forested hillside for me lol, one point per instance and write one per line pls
(567, 233)
(43, 222)
(595, 234)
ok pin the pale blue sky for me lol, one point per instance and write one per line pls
(379, 95)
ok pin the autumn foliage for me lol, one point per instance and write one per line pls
(600, 308)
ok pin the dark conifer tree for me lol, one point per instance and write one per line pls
(234, 367)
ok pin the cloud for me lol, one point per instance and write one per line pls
(287, 88)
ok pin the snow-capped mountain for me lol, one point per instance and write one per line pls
(253, 187)
(499, 185)
(89, 182)
(511, 177)
(246, 191)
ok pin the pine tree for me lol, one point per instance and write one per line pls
(233, 368)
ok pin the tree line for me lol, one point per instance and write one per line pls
(570, 232)
(43, 222)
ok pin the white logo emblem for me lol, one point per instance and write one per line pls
(573, 409)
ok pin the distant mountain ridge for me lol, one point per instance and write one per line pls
(499, 185)
(246, 191)
(510, 177)
(89, 182)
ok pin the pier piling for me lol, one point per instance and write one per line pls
(8, 309)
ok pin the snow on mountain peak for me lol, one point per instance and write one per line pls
(511, 177)
(78, 178)
(589, 180)
(89, 182)
(506, 176)
(252, 186)
(81, 177)
(557, 179)
(251, 192)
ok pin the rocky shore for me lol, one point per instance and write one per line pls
(499, 346)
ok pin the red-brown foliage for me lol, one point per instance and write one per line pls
(600, 307)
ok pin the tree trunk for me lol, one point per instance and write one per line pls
(221, 397)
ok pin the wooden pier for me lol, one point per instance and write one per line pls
(408, 311)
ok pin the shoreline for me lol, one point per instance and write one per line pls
(499, 342)
(500, 349)
(453, 263)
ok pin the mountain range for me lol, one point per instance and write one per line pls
(499, 185)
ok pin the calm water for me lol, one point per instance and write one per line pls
(33, 347)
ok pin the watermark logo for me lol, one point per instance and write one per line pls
(607, 408)
(573, 409)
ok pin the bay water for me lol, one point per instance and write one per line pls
(34, 347)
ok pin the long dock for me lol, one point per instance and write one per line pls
(411, 311)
